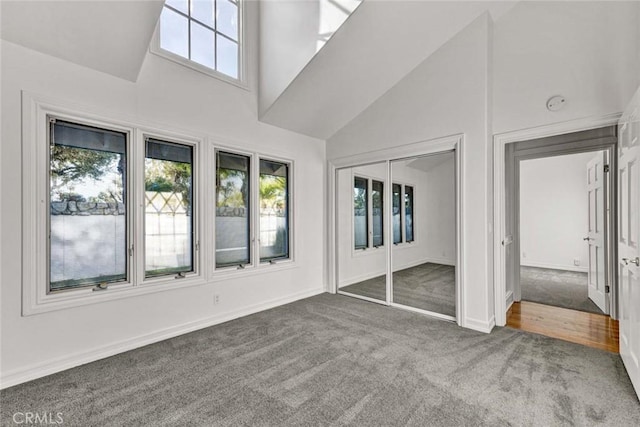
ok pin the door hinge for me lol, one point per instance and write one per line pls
(606, 168)
(607, 289)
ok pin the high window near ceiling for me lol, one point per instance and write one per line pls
(203, 34)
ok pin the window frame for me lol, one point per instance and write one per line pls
(413, 209)
(255, 266)
(241, 81)
(403, 214)
(251, 211)
(289, 165)
(51, 119)
(356, 251)
(36, 297)
(198, 202)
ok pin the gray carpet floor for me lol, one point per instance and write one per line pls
(428, 286)
(335, 360)
(560, 288)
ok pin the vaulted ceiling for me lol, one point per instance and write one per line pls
(380, 43)
(106, 35)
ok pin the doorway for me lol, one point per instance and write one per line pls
(395, 227)
(563, 229)
(560, 204)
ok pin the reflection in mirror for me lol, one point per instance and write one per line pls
(362, 260)
(424, 250)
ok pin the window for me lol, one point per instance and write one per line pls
(402, 216)
(377, 194)
(236, 187)
(233, 216)
(274, 210)
(205, 32)
(169, 213)
(368, 213)
(87, 206)
(361, 212)
(397, 215)
(408, 203)
(112, 210)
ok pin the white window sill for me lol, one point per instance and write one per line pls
(234, 273)
(240, 82)
(85, 296)
(406, 245)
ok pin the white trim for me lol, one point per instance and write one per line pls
(241, 82)
(360, 278)
(481, 325)
(499, 143)
(362, 297)
(439, 316)
(565, 267)
(39, 370)
(509, 300)
(441, 261)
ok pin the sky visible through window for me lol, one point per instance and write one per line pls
(203, 31)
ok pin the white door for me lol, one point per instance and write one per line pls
(596, 231)
(628, 238)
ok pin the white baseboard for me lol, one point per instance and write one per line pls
(71, 361)
(480, 325)
(568, 267)
(443, 261)
(509, 300)
(359, 278)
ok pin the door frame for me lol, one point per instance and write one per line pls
(453, 143)
(500, 142)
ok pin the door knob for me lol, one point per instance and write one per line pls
(635, 261)
(587, 238)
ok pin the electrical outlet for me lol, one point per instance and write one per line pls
(216, 299)
(576, 262)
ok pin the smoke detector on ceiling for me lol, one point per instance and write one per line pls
(556, 103)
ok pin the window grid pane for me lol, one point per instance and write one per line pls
(87, 206)
(274, 210)
(203, 31)
(169, 225)
(361, 213)
(232, 209)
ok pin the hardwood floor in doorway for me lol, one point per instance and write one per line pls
(589, 329)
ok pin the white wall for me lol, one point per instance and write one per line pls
(291, 32)
(170, 96)
(441, 212)
(553, 212)
(588, 52)
(446, 94)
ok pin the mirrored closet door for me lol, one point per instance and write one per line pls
(362, 260)
(423, 255)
